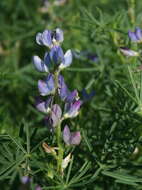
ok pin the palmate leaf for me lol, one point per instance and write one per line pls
(9, 161)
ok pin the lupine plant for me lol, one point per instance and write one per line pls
(59, 103)
(46, 140)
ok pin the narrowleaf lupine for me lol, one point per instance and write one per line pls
(57, 96)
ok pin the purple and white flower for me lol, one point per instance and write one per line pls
(50, 38)
(67, 60)
(40, 65)
(135, 36)
(43, 106)
(64, 92)
(46, 87)
(71, 138)
(72, 109)
(128, 52)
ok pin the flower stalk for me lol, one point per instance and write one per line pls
(61, 103)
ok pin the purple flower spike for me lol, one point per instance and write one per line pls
(25, 179)
(46, 87)
(135, 36)
(39, 64)
(72, 109)
(44, 38)
(71, 138)
(43, 106)
(67, 60)
(128, 52)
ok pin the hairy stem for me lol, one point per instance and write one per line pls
(60, 151)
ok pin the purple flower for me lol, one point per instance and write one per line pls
(135, 36)
(38, 187)
(72, 109)
(87, 96)
(67, 60)
(69, 138)
(56, 114)
(54, 118)
(43, 106)
(64, 92)
(56, 54)
(46, 87)
(41, 65)
(58, 35)
(44, 38)
(50, 38)
(128, 52)
(25, 179)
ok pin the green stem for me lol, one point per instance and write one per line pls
(60, 151)
(58, 131)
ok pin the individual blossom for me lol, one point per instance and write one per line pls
(72, 109)
(38, 187)
(56, 114)
(56, 54)
(87, 96)
(71, 138)
(25, 180)
(46, 87)
(43, 106)
(42, 65)
(64, 92)
(135, 36)
(67, 60)
(128, 52)
(54, 118)
(50, 38)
